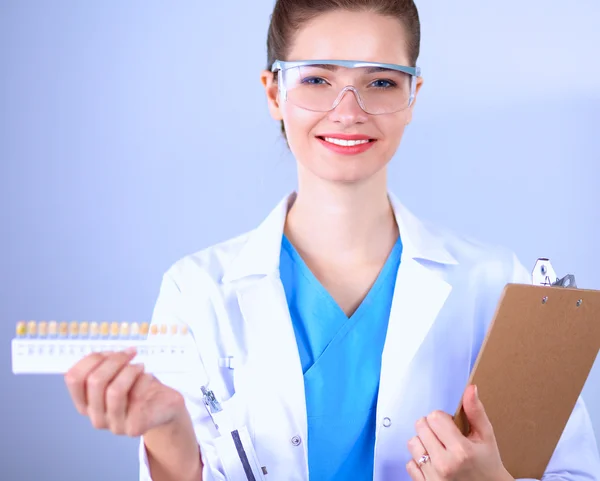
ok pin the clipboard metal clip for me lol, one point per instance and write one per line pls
(544, 275)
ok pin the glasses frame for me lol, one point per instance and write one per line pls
(280, 65)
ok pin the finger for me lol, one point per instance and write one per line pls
(117, 394)
(75, 379)
(417, 451)
(136, 417)
(414, 472)
(443, 427)
(416, 448)
(97, 382)
(481, 428)
(140, 388)
(433, 446)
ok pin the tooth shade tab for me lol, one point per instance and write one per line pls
(42, 347)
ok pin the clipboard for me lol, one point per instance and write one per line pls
(532, 366)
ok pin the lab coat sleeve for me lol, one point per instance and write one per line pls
(144, 466)
(170, 308)
(576, 457)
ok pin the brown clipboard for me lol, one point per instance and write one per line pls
(532, 367)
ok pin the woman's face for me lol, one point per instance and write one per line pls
(343, 35)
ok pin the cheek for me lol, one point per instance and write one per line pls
(392, 130)
(300, 125)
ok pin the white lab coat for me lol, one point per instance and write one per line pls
(231, 297)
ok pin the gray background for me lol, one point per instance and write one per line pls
(128, 140)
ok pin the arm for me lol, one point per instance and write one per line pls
(172, 452)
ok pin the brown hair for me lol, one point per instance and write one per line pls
(290, 15)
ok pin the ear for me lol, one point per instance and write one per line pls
(267, 79)
(418, 88)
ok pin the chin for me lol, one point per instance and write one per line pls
(345, 174)
(343, 169)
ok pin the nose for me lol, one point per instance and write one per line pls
(348, 110)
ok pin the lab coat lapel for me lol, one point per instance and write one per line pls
(273, 371)
(420, 293)
(273, 357)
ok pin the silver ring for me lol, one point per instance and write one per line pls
(422, 460)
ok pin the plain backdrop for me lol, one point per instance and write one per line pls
(134, 133)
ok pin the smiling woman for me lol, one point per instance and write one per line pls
(366, 89)
(334, 338)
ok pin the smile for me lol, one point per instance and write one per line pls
(355, 144)
(346, 143)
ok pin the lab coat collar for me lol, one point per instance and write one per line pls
(260, 253)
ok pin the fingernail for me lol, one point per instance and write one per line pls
(476, 393)
(130, 350)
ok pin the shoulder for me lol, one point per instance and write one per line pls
(456, 253)
(206, 265)
(192, 294)
(478, 276)
(485, 262)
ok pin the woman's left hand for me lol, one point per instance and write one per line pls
(446, 455)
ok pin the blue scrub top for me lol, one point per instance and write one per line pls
(341, 362)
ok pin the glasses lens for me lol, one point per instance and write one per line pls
(318, 87)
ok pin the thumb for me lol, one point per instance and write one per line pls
(475, 412)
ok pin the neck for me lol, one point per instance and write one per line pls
(346, 223)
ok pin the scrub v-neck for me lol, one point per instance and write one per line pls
(341, 362)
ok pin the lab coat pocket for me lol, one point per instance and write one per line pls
(234, 445)
(231, 413)
(238, 456)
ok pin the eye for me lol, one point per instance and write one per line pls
(314, 81)
(383, 84)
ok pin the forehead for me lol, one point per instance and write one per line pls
(344, 35)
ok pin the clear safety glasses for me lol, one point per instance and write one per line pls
(320, 85)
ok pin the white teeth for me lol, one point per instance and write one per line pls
(345, 143)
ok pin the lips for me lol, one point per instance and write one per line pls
(348, 144)
(346, 136)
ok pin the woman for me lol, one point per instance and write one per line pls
(336, 336)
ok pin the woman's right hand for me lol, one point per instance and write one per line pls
(119, 396)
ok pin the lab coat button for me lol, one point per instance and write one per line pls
(296, 440)
(387, 422)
